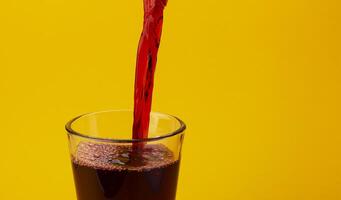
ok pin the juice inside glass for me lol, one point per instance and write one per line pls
(108, 165)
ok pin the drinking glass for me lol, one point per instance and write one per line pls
(109, 165)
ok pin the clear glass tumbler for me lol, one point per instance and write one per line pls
(108, 165)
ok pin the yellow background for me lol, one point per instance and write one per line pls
(257, 82)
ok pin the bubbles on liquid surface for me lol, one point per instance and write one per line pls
(122, 157)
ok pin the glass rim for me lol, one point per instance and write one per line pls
(71, 131)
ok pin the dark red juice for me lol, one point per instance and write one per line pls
(110, 172)
(132, 172)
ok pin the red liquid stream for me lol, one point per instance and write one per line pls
(145, 65)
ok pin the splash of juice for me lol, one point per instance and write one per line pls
(145, 65)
